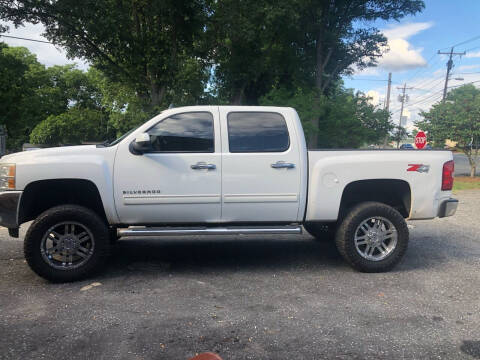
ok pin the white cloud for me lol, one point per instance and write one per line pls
(468, 67)
(46, 53)
(425, 92)
(374, 97)
(473, 55)
(407, 30)
(372, 71)
(400, 55)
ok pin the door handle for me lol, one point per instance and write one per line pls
(282, 165)
(203, 165)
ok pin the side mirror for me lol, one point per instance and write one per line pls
(141, 144)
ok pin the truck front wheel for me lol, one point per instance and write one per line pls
(373, 237)
(66, 243)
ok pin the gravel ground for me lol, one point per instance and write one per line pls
(253, 298)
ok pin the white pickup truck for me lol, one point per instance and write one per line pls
(218, 170)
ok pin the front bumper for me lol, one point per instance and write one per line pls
(9, 201)
(448, 208)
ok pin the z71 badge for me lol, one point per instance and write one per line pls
(418, 168)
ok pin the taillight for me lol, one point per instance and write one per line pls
(447, 175)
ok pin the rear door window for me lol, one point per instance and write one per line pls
(257, 132)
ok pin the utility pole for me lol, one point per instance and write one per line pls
(387, 106)
(387, 103)
(403, 99)
(449, 68)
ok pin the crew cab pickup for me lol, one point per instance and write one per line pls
(218, 170)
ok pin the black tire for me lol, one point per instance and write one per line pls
(321, 231)
(345, 237)
(112, 233)
(57, 215)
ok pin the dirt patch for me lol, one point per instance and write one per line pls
(467, 179)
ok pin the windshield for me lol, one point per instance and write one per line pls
(115, 142)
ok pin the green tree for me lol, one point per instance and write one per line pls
(257, 46)
(347, 120)
(73, 127)
(31, 93)
(250, 45)
(151, 46)
(339, 36)
(457, 119)
(83, 100)
(124, 108)
(399, 133)
(163, 49)
(22, 79)
(205, 51)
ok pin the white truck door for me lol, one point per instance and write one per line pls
(179, 179)
(261, 165)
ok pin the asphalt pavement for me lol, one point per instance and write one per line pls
(250, 297)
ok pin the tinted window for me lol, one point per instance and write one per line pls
(257, 132)
(187, 132)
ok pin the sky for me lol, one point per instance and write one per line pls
(412, 58)
(47, 54)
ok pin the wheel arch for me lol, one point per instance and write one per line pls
(393, 192)
(39, 196)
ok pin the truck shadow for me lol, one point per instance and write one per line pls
(232, 254)
(225, 254)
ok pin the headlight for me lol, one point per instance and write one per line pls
(7, 176)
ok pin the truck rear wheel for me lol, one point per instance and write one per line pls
(373, 237)
(67, 243)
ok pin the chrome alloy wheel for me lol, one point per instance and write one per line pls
(375, 238)
(67, 245)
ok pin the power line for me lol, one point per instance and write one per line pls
(434, 80)
(424, 99)
(455, 86)
(422, 69)
(467, 73)
(368, 79)
(474, 48)
(438, 93)
(463, 42)
(467, 41)
(27, 39)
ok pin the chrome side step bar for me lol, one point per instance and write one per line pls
(233, 230)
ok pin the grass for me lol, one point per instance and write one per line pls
(466, 183)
